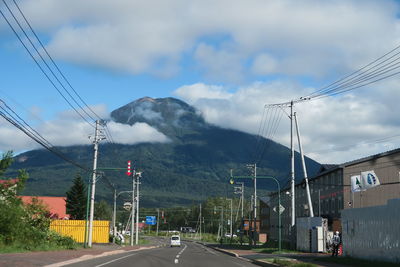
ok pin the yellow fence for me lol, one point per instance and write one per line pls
(76, 230)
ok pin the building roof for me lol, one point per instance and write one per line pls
(56, 205)
(265, 199)
(10, 181)
(375, 156)
(325, 167)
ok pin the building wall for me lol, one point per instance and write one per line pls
(331, 192)
(372, 232)
(387, 168)
(326, 196)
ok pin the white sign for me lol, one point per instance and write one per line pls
(356, 183)
(281, 209)
(369, 179)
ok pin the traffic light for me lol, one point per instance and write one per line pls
(128, 171)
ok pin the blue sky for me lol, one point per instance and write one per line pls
(226, 58)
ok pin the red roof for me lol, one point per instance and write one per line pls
(56, 205)
(9, 181)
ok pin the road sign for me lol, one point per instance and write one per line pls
(281, 209)
(151, 220)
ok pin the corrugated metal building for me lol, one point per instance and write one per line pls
(331, 191)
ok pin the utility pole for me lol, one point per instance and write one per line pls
(114, 214)
(242, 195)
(231, 217)
(310, 206)
(96, 141)
(133, 206)
(158, 215)
(200, 220)
(255, 205)
(138, 175)
(292, 167)
(251, 231)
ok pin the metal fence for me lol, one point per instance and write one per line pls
(76, 230)
(373, 232)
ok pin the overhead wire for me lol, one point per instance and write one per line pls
(107, 131)
(10, 115)
(269, 125)
(45, 63)
(379, 69)
(81, 108)
(54, 63)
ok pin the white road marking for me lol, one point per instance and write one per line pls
(179, 254)
(108, 262)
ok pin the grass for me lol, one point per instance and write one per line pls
(20, 248)
(273, 250)
(356, 262)
(289, 263)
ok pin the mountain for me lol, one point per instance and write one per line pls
(193, 165)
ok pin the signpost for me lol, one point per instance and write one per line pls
(151, 220)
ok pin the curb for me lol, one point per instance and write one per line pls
(256, 262)
(89, 257)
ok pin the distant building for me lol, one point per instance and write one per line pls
(331, 191)
(9, 184)
(55, 205)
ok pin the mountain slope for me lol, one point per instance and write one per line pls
(195, 163)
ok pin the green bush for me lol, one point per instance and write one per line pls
(25, 226)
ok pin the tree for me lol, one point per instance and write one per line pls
(102, 211)
(77, 199)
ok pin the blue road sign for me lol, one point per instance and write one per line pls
(151, 220)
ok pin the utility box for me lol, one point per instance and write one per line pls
(311, 234)
(317, 239)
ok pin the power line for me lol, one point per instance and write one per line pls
(44, 62)
(381, 68)
(54, 63)
(7, 113)
(53, 73)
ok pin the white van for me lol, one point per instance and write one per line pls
(175, 241)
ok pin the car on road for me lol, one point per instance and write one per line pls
(229, 235)
(175, 241)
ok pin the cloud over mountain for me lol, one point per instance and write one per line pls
(307, 37)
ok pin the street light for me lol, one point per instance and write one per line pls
(279, 200)
(115, 210)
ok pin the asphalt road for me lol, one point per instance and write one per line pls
(188, 255)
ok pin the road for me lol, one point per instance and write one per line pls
(188, 255)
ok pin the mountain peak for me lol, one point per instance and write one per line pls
(165, 114)
(144, 99)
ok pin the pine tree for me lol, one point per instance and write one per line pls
(76, 199)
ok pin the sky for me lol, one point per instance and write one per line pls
(226, 58)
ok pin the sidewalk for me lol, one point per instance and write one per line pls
(257, 257)
(43, 258)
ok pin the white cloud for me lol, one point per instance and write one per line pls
(308, 37)
(69, 129)
(191, 93)
(264, 64)
(137, 133)
(334, 130)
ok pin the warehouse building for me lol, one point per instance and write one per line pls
(331, 191)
